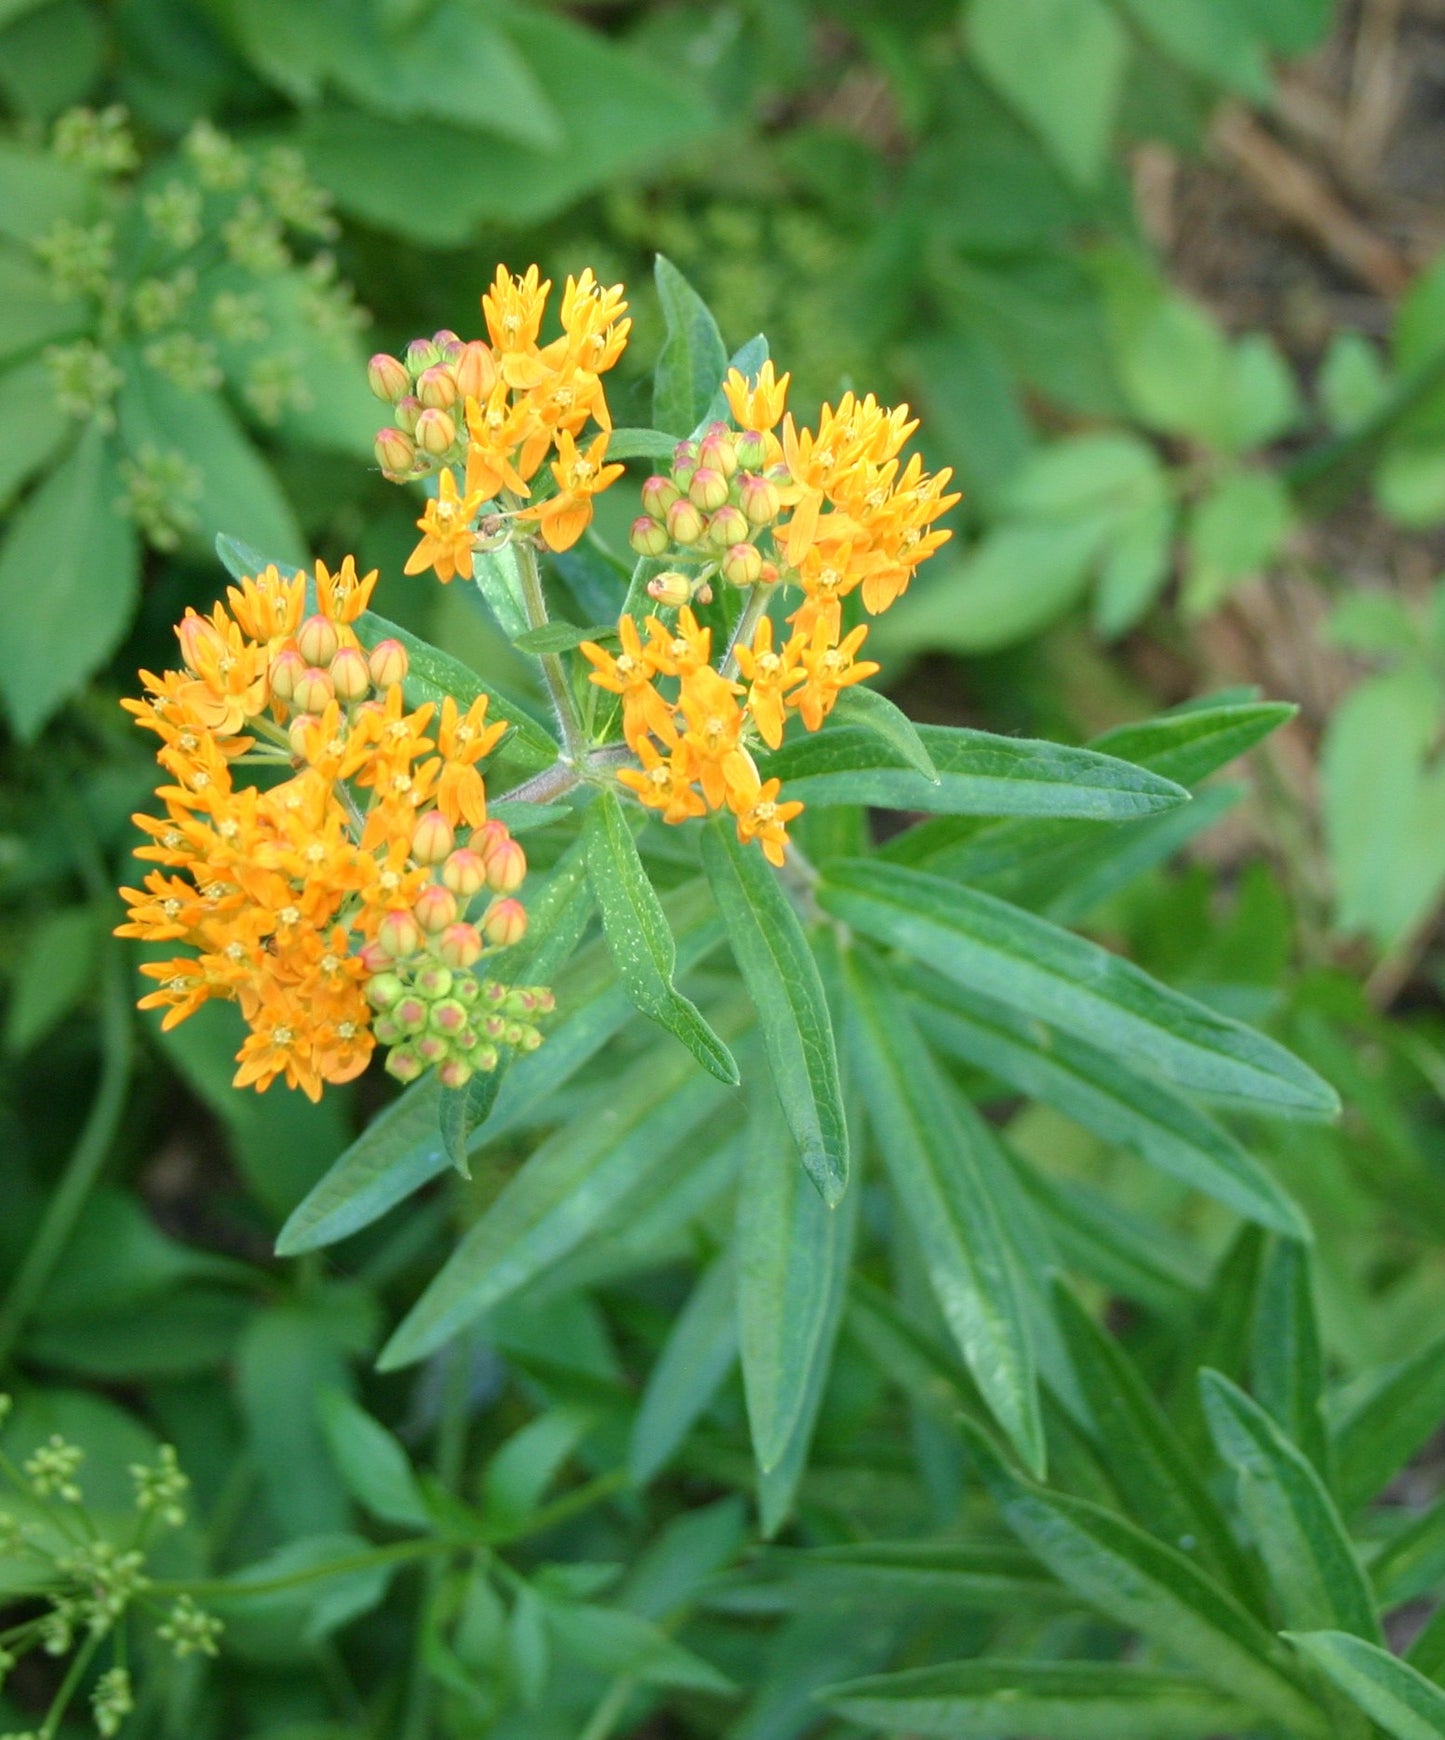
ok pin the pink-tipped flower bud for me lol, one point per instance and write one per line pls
(505, 923)
(386, 1031)
(349, 675)
(433, 981)
(317, 640)
(717, 453)
(728, 525)
(433, 838)
(285, 672)
(770, 574)
(460, 945)
(494, 1026)
(448, 1016)
(485, 839)
(476, 370)
(465, 873)
(408, 409)
(435, 908)
(751, 449)
(545, 1001)
(421, 353)
(506, 867)
(708, 489)
(759, 499)
(485, 1058)
(430, 1047)
(384, 990)
(296, 736)
(313, 693)
(388, 663)
(685, 453)
(374, 958)
(466, 988)
(436, 433)
(395, 452)
(387, 378)
(398, 935)
(410, 1013)
(684, 522)
(658, 495)
(455, 1073)
(403, 1064)
(742, 565)
(528, 1040)
(436, 389)
(647, 538)
(447, 341)
(671, 590)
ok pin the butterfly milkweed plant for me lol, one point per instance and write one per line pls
(700, 973)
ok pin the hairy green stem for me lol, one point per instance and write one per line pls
(753, 612)
(554, 672)
(564, 776)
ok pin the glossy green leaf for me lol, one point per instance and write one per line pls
(1103, 1094)
(979, 774)
(402, 1148)
(871, 710)
(1291, 1517)
(640, 938)
(566, 1187)
(944, 1192)
(1286, 1358)
(787, 1251)
(1152, 1469)
(377, 1471)
(782, 978)
(1404, 1703)
(1054, 976)
(1147, 1587)
(1034, 1700)
(69, 568)
(697, 1356)
(1192, 742)
(693, 357)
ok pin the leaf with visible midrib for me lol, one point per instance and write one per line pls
(1060, 978)
(1388, 1690)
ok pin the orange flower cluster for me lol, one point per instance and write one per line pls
(840, 514)
(499, 409)
(341, 886)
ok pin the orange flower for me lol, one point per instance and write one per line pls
(343, 596)
(714, 728)
(759, 815)
(758, 406)
(629, 674)
(446, 544)
(564, 517)
(513, 308)
(497, 429)
(665, 783)
(827, 670)
(770, 675)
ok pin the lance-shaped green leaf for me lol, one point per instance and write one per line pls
(1389, 1691)
(1290, 1515)
(1103, 1095)
(403, 1147)
(1286, 1359)
(694, 1363)
(1148, 1587)
(978, 774)
(783, 981)
(693, 356)
(968, 1575)
(1034, 1700)
(787, 1249)
(640, 938)
(640, 444)
(1050, 974)
(867, 710)
(372, 1462)
(1152, 1470)
(431, 674)
(1386, 1424)
(565, 1189)
(1194, 741)
(944, 1192)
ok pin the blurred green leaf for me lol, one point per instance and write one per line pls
(371, 1461)
(700, 1350)
(693, 357)
(55, 971)
(1233, 534)
(1388, 1690)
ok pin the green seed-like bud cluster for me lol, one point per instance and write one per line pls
(433, 1018)
(714, 502)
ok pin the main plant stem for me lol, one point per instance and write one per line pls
(554, 672)
(753, 613)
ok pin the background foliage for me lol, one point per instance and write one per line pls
(1158, 274)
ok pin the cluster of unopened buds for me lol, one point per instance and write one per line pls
(427, 387)
(90, 1584)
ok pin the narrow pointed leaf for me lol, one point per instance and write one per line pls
(1033, 1700)
(640, 444)
(1292, 1518)
(1104, 1095)
(640, 938)
(869, 710)
(978, 774)
(943, 1191)
(787, 1251)
(372, 1462)
(1193, 742)
(564, 1190)
(1385, 1426)
(1389, 1691)
(782, 978)
(693, 357)
(1147, 1587)
(968, 1575)
(1151, 1468)
(1286, 1359)
(1054, 976)
(696, 1358)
